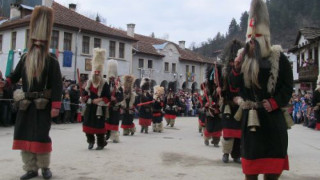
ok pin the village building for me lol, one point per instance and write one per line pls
(74, 36)
(307, 51)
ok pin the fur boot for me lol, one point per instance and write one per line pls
(115, 136)
(30, 161)
(154, 127)
(168, 121)
(146, 128)
(43, 160)
(206, 140)
(215, 141)
(172, 121)
(101, 141)
(227, 145)
(126, 132)
(132, 131)
(160, 127)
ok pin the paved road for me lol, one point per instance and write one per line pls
(177, 153)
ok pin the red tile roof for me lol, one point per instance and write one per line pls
(66, 18)
(145, 45)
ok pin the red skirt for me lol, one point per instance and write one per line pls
(264, 165)
(127, 126)
(212, 134)
(170, 116)
(145, 122)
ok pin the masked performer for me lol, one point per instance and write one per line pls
(40, 99)
(171, 105)
(144, 103)
(157, 108)
(113, 111)
(231, 127)
(201, 112)
(264, 77)
(128, 107)
(97, 95)
(213, 125)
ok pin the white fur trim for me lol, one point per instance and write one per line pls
(274, 71)
(18, 95)
(100, 88)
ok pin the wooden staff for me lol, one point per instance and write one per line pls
(79, 82)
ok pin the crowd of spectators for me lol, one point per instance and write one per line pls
(302, 109)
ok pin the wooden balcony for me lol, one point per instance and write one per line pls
(308, 73)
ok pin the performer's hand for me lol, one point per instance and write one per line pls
(267, 105)
(54, 112)
(237, 61)
(236, 100)
(96, 101)
(113, 98)
(218, 90)
(84, 99)
(207, 105)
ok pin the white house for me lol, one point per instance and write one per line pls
(307, 51)
(72, 34)
(164, 61)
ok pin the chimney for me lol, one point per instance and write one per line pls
(73, 7)
(182, 44)
(14, 10)
(47, 3)
(130, 29)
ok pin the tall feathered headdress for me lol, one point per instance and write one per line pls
(158, 91)
(99, 56)
(112, 69)
(41, 24)
(128, 83)
(258, 22)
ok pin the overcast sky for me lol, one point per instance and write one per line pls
(189, 20)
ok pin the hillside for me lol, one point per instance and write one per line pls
(286, 18)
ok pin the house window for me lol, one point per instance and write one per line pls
(193, 69)
(85, 44)
(141, 62)
(13, 40)
(0, 42)
(54, 40)
(166, 67)
(310, 54)
(112, 49)
(187, 68)
(150, 64)
(173, 67)
(27, 37)
(302, 59)
(97, 43)
(121, 50)
(67, 41)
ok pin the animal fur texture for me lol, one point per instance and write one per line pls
(259, 12)
(99, 56)
(158, 91)
(112, 68)
(128, 82)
